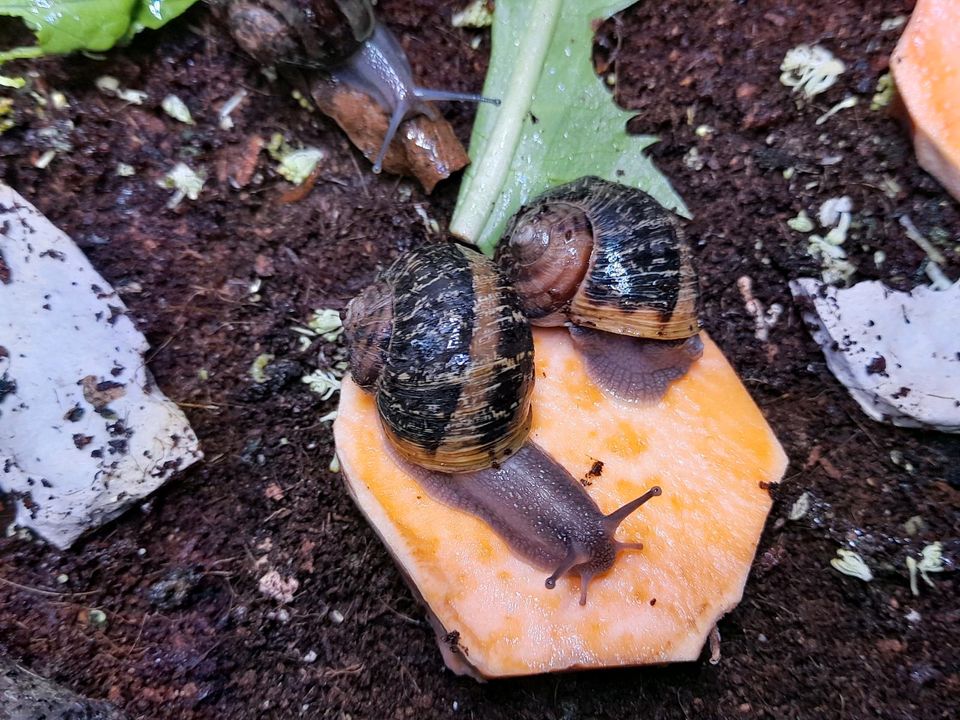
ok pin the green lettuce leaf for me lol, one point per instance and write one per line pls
(156, 13)
(556, 122)
(62, 26)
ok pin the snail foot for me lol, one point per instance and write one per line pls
(635, 369)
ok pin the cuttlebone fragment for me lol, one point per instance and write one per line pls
(897, 353)
(84, 431)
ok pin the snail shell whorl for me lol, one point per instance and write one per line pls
(454, 390)
(547, 256)
(312, 33)
(640, 279)
(367, 327)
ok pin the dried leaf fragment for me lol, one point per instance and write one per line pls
(423, 148)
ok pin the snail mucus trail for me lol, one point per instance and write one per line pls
(344, 39)
(612, 264)
(442, 343)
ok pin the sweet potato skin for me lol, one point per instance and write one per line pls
(925, 69)
(707, 445)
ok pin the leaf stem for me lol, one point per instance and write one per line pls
(20, 53)
(491, 171)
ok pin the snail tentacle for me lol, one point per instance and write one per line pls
(380, 69)
(614, 519)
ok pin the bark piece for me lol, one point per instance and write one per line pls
(423, 148)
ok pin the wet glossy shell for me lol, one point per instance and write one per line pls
(638, 280)
(310, 33)
(454, 391)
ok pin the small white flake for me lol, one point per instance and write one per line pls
(810, 70)
(893, 23)
(848, 102)
(177, 109)
(931, 561)
(278, 588)
(42, 162)
(476, 15)
(800, 508)
(322, 382)
(109, 85)
(185, 181)
(801, 223)
(259, 366)
(326, 323)
(297, 165)
(223, 117)
(850, 563)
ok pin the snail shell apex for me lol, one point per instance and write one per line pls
(456, 374)
(634, 278)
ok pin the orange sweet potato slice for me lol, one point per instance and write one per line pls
(926, 70)
(706, 444)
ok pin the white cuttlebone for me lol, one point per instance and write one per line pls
(61, 322)
(915, 333)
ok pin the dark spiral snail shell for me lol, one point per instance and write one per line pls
(441, 342)
(307, 33)
(612, 263)
(343, 39)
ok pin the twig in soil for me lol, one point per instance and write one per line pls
(50, 593)
(856, 421)
(136, 640)
(399, 614)
(330, 673)
(405, 671)
(363, 179)
(196, 406)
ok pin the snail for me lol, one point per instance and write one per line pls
(612, 264)
(442, 343)
(344, 39)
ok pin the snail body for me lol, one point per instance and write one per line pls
(614, 265)
(344, 39)
(441, 342)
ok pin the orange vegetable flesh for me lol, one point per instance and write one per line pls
(926, 70)
(706, 445)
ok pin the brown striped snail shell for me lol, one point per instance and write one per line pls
(343, 39)
(441, 342)
(604, 257)
(307, 33)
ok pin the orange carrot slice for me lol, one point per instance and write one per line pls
(926, 70)
(706, 444)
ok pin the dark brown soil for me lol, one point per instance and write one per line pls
(806, 642)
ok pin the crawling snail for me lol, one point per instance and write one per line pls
(442, 343)
(344, 39)
(611, 263)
